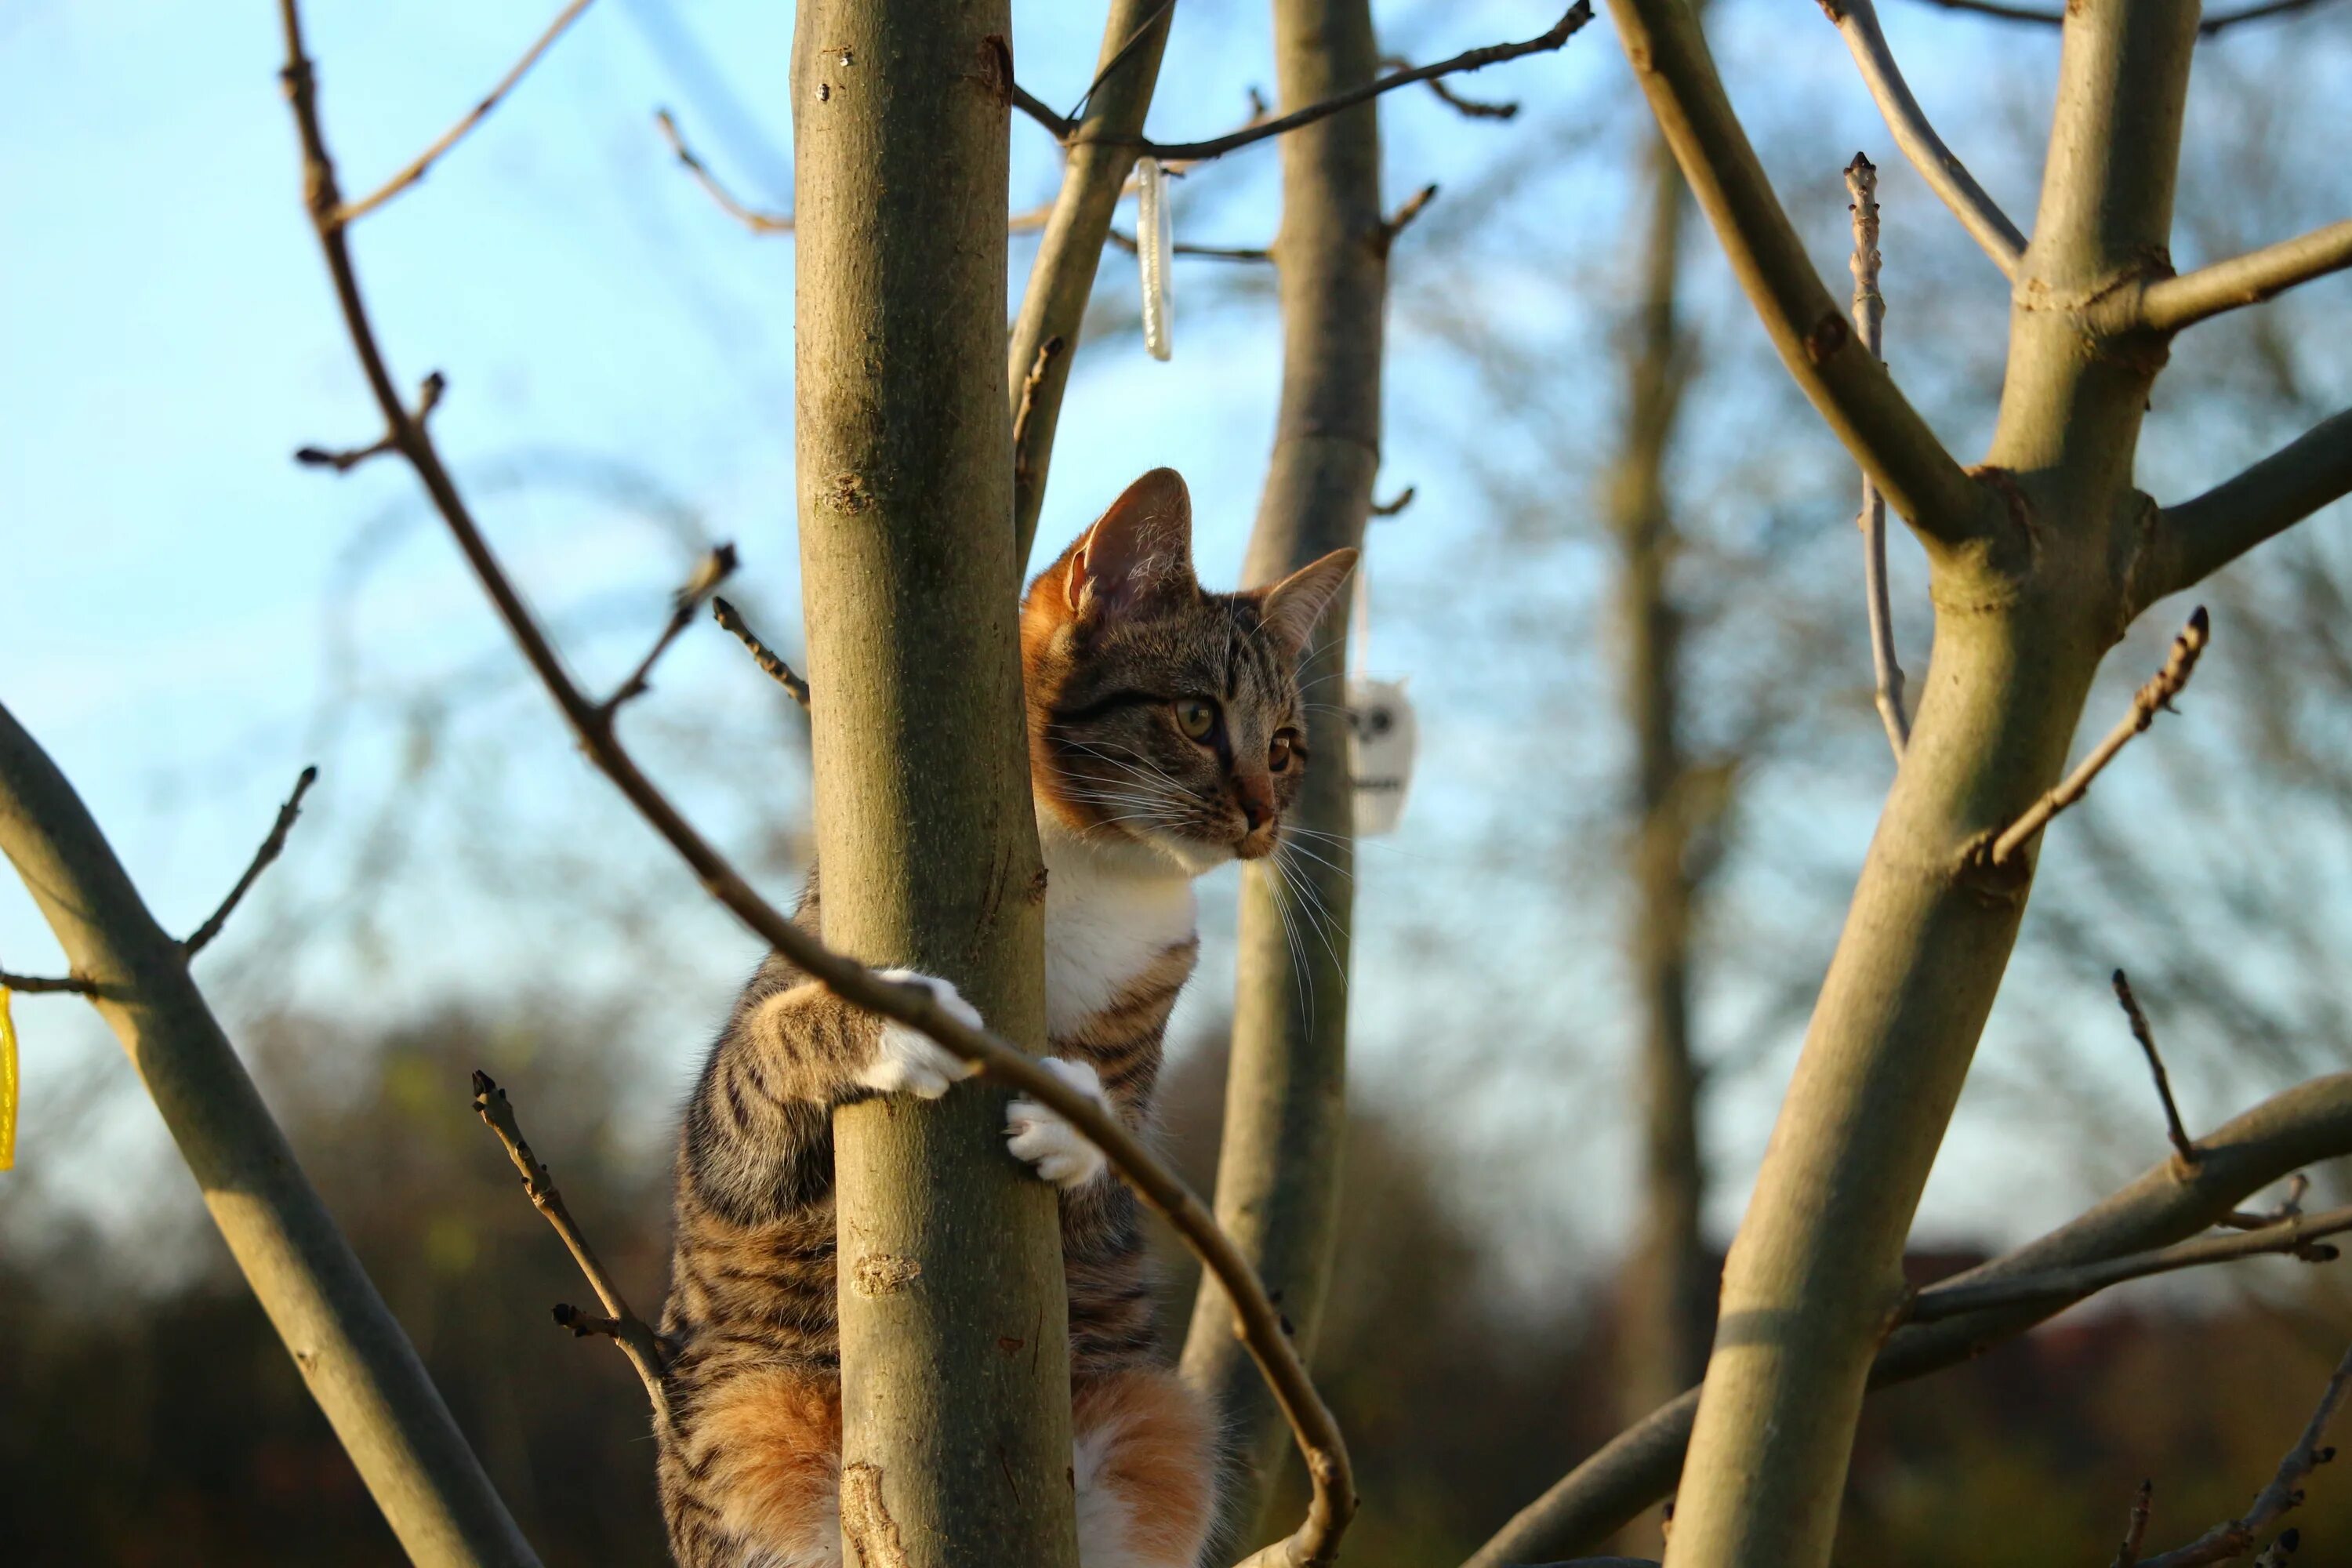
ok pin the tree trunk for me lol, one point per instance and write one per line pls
(1062, 278)
(1286, 1097)
(358, 1364)
(1666, 1307)
(955, 1380)
(2024, 615)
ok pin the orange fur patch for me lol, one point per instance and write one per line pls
(1160, 1460)
(777, 1438)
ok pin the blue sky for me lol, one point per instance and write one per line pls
(187, 617)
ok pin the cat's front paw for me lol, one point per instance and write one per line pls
(908, 1062)
(1041, 1138)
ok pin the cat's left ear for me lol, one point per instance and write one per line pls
(1139, 555)
(1294, 605)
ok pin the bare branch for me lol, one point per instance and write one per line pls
(2205, 28)
(1257, 1323)
(2236, 1537)
(2308, 1123)
(766, 656)
(2201, 536)
(428, 398)
(48, 985)
(637, 1340)
(2182, 1147)
(271, 847)
(1552, 37)
(1125, 241)
(1401, 499)
(1857, 24)
(2292, 1236)
(2172, 303)
(471, 117)
(1468, 108)
(1397, 222)
(1026, 431)
(2136, 1528)
(1853, 390)
(750, 217)
(715, 569)
(2158, 693)
(1869, 320)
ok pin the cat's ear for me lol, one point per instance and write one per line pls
(1138, 554)
(1294, 605)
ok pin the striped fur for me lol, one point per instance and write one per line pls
(1131, 805)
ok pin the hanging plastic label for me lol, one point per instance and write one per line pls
(1381, 739)
(1154, 239)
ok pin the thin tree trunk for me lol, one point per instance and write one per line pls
(1667, 1303)
(1285, 1096)
(1062, 277)
(2024, 616)
(351, 1351)
(955, 1367)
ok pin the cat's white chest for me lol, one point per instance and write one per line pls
(1104, 926)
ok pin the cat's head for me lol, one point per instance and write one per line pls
(1163, 715)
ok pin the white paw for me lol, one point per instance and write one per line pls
(1039, 1138)
(907, 1061)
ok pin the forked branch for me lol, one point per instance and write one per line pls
(1857, 24)
(637, 1340)
(2158, 694)
(1257, 1323)
(1853, 390)
(1553, 38)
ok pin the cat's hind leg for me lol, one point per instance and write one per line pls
(1146, 1471)
(753, 1479)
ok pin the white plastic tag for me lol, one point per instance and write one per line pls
(1154, 240)
(1381, 740)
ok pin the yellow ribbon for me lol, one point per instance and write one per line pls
(7, 1084)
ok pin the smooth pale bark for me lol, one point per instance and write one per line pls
(351, 1351)
(2023, 617)
(1062, 276)
(955, 1360)
(1667, 1303)
(1285, 1095)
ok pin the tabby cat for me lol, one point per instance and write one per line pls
(1164, 739)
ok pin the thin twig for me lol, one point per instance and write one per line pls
(1857, 24)
(1468, 108)
(715, 568)
(2168, 305)
(2205, 28)
(343, 461)
(766, 656)
(2236, 1537)
(1064, 130)
(1257, 1323)
(1397, 222)
(750, 217)
(1125, 241)
(2158, 693)
(2293, 1237)
(637, 1339)
(48, 985)
(2184, 1149)
(1389, 508)
(1869, 322)
(471, 117)
(2136, 1528)
(271, 847)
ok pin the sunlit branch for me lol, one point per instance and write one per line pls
(2201, 536)
(2172, 303)
(1857, 24)
(1870, 319)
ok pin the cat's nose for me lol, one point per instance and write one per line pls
(1255, 799)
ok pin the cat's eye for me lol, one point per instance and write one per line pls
(1196, 716)
(1283, 750)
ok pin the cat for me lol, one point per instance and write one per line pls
(1165, 738)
